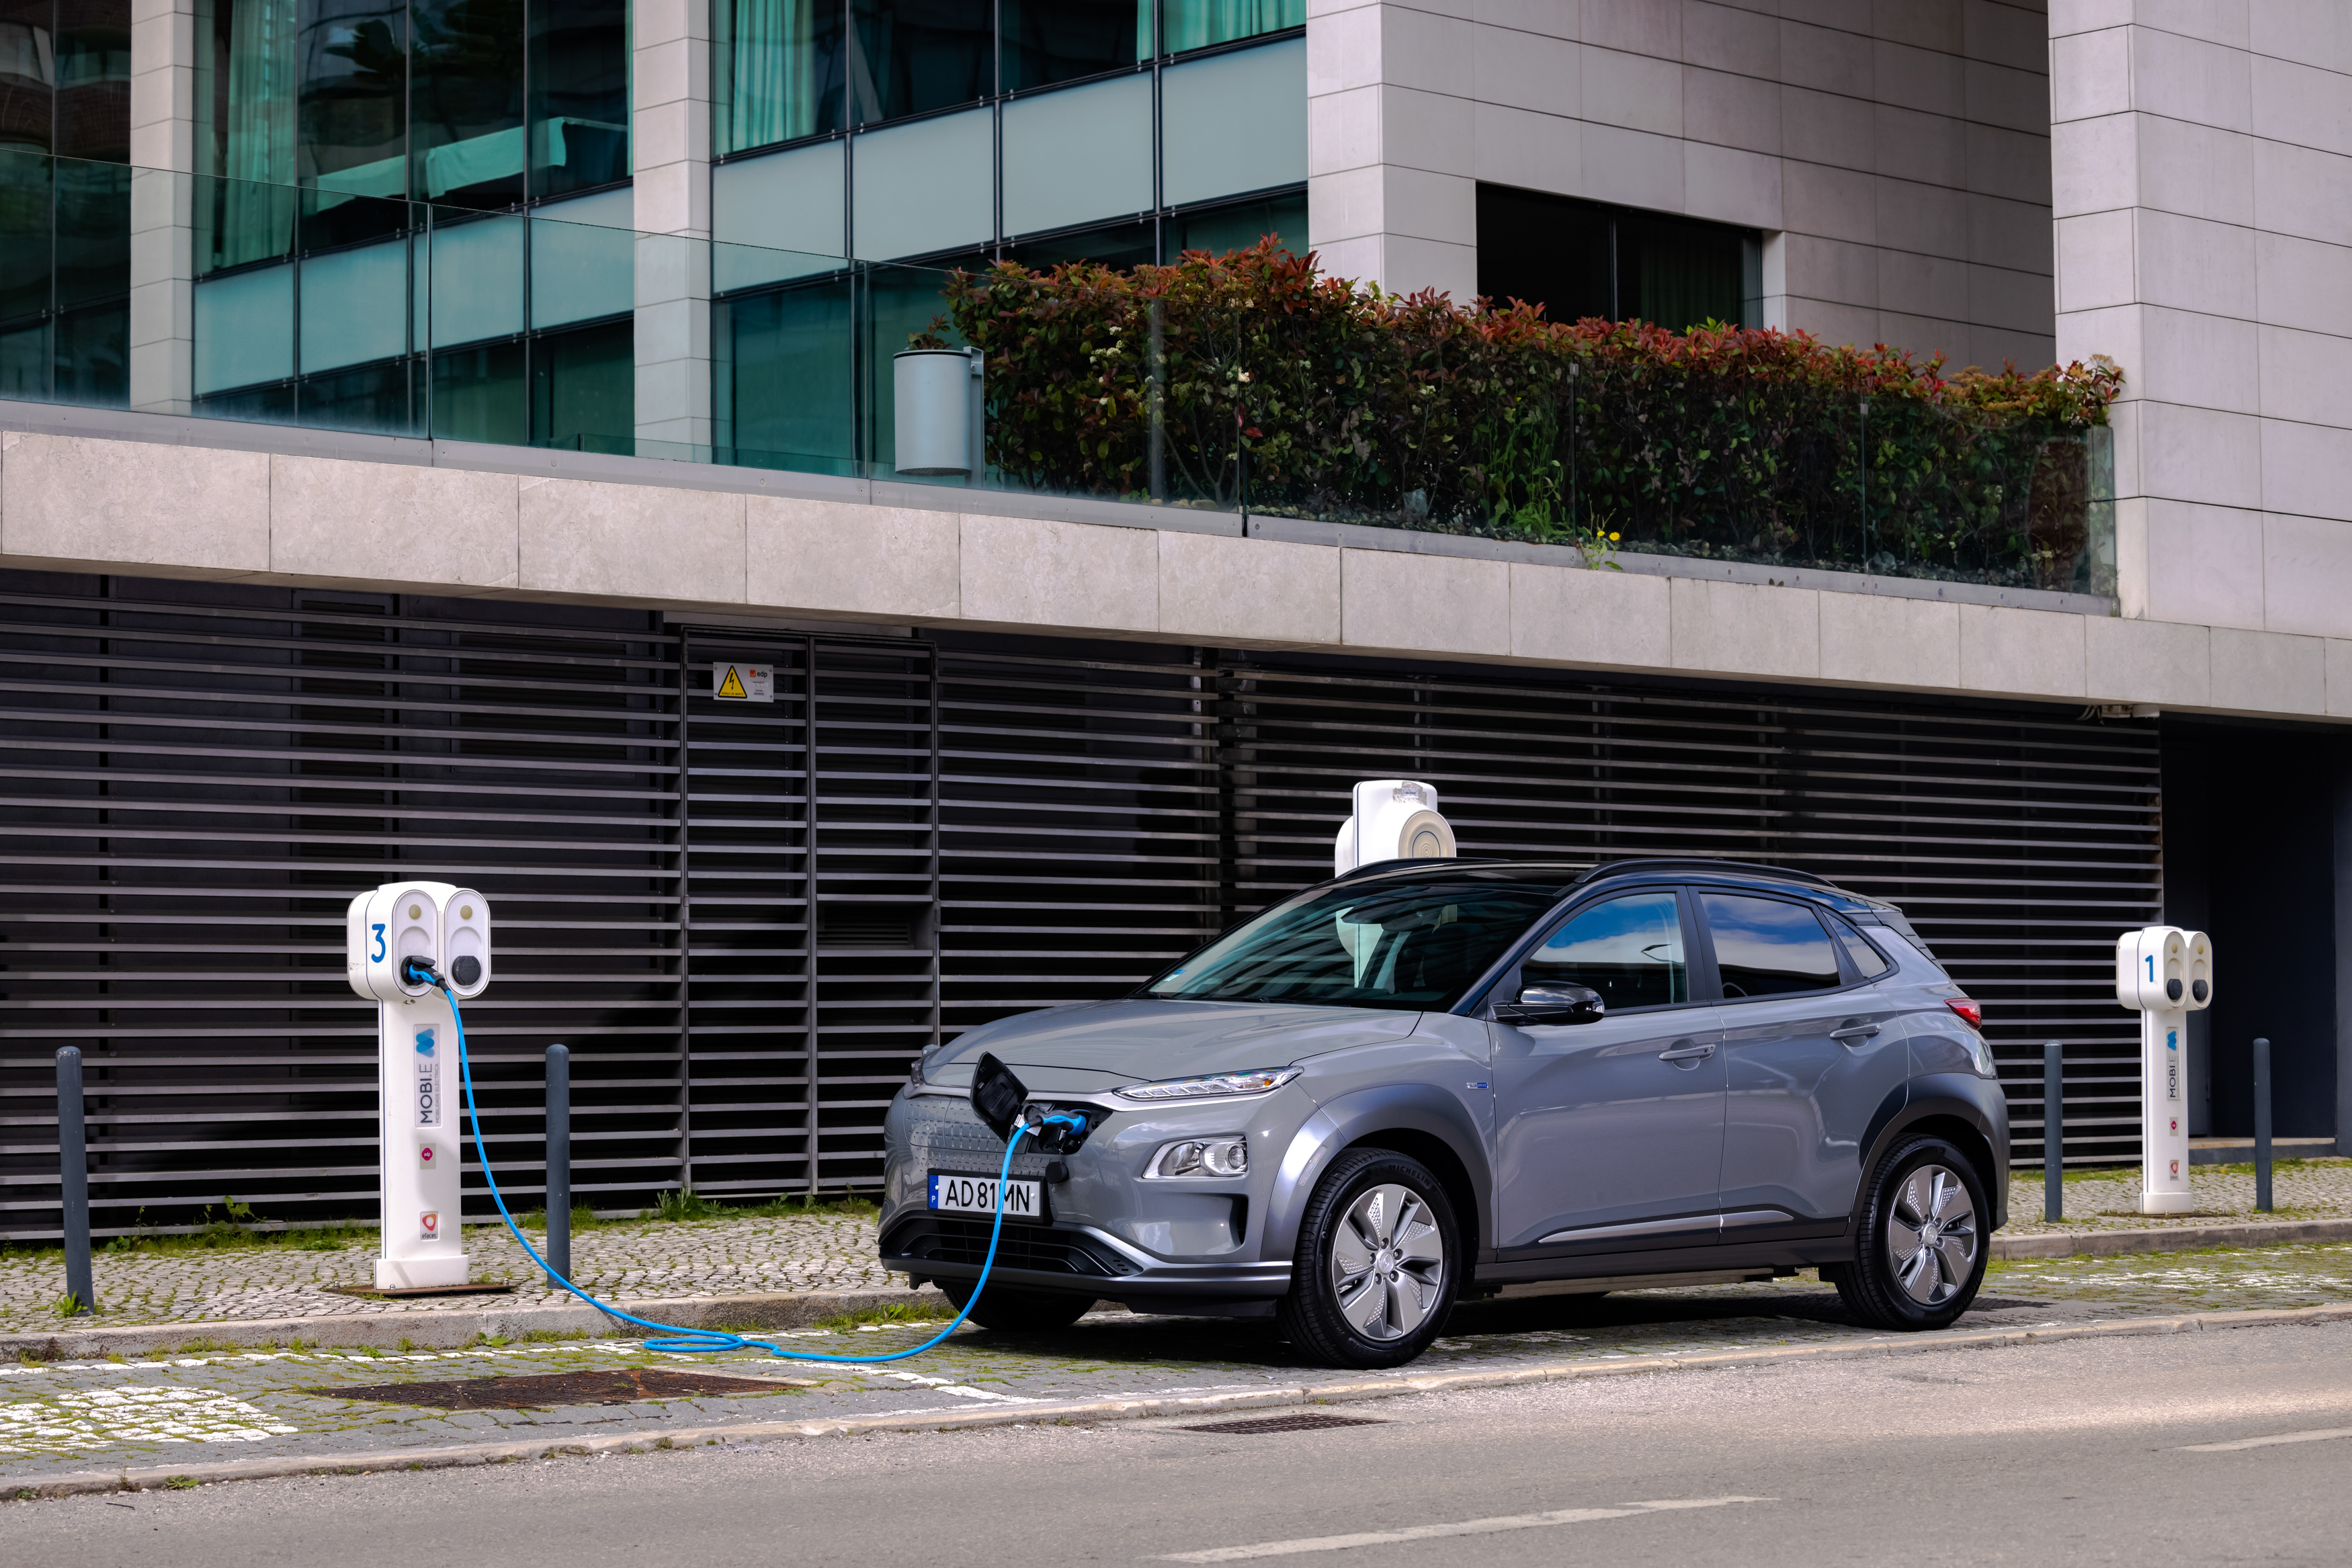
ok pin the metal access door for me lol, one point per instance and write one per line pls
(810, 840)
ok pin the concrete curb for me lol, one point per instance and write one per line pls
(82, 1482)
(2170, 1238)
(456, 1327)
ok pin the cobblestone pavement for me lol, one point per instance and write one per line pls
(702, 1259)
(2104, 1198)
(648, 1260)
(169, 1408)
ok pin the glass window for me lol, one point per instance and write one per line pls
(478, 395)
(1197, 23)
(1581, 258)
(244, 329)
(778, 71)
(910, 56)
(579, 95)
(785, 379)
(1405, 945)
(1237, 227)
(93, 62)
(1120, 246)
(1046, 41)
(466, 101)
(247, 71)
(352, 121)
(1629, 949)
(1233, 123)
(922, 189)
(1867, 960)
(1764, 947)
(28, 74)
(584, 389)
(1077, 156)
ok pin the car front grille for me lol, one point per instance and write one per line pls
(944, 1238)
(947, 1135)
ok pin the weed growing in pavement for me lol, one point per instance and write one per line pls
(203, 1346)
(116, 1356)
(896, 1312)
(492, 1340)
(181, 1483)
(67, 1305)
(545, 1336)
(405, 1344)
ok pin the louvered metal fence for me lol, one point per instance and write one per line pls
(733, 913)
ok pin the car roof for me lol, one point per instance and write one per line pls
(1583, 875)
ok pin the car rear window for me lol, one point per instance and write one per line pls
(1764, 947)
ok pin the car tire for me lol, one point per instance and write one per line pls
(1378, 1266)
(1920, 1251)
(1009, 1311)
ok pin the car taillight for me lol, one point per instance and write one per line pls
(1971, 1014)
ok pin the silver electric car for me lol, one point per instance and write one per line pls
(1429, 1080)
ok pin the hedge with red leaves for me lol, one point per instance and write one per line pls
(1297, 393)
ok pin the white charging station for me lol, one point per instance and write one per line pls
(417, 1095)
(1394, 818)
(2164, 973)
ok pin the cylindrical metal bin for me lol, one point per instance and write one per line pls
(933, 393)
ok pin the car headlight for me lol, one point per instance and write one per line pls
(1211, 1157)
(1216, 1086)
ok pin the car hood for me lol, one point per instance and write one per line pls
(1101, 1045)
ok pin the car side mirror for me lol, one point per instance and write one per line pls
(1553, 1004)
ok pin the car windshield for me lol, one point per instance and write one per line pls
(1409, 944)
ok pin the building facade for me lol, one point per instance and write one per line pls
(408, 405)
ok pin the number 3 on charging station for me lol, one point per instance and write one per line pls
(377, 956)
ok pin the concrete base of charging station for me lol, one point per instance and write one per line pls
(454, 1327)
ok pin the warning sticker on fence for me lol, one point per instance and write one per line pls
(743, 683)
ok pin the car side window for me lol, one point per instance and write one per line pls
(1629, 949)
(1764, 947)
(1867, 960)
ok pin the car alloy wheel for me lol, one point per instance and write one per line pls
(1388, 1263)
(1378, 1262)
(1931, 1236)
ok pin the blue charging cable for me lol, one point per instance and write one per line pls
(687, 1340)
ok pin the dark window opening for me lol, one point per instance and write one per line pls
(1579, 259)
(1049, 41)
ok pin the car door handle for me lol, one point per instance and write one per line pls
(1687, 1053)
(1854, 1031)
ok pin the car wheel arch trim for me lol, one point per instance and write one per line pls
(1347, 1121)
(1905, 1112)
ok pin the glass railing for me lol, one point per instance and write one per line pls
(1244, 385)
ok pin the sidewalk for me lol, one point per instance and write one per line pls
(742, 1265)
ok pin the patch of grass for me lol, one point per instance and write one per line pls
(181, 1483)
(548, 1336)
(896, 1312)
(65, 1305)
(583, 1218)
(116, 1356)
(405, 1344)
(203, 1346)
(492, 1340)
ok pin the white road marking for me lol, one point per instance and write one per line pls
(1432, 1531)
(959, 1390)
(2318, 1437)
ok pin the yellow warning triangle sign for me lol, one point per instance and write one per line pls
(732, 687)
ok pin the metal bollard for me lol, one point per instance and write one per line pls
(559, 1159)
(2263, 1125)
(73, 1180)
(2053, 1131)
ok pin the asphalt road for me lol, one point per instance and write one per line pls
(2076, 1451)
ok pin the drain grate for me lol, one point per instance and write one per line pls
(543, 1390)
(1271, 1423)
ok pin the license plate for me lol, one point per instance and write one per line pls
(952, 1194)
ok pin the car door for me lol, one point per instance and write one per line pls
(1810, 1052)
(1609, 1135)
